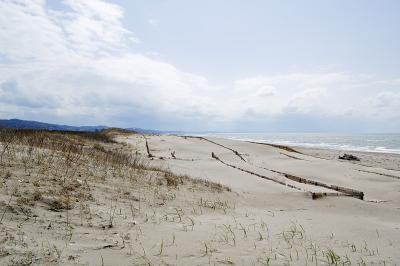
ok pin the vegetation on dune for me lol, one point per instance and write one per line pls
(67, 154)
(69, 197)
(44, 172)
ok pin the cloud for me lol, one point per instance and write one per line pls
(79, 65)
(318, 93)
(93, 27)
(308, 101)
(79, 62)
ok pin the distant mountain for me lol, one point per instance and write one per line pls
(25, 124)
(153, 131)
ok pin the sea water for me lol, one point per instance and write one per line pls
(387, 143)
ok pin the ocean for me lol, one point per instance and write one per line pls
(387, 143)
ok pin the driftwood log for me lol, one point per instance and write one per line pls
(349, 157)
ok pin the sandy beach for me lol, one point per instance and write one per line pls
(363, 230)
(204, 133)
(73, 199)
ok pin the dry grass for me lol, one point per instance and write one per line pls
(55, 176)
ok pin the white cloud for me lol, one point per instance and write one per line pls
(93, 26)
(309, 101)
(27, 32)
(79, 65)
(302, 93)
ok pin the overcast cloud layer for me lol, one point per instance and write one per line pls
(79, 66)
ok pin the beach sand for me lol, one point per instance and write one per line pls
(275, 206)
(360, 230)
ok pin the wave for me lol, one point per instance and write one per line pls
(332, 142)
(342, 147)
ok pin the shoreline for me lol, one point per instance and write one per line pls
(385, 160)
(389, 161)
(309, 145)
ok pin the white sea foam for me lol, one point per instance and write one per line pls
(382, 143)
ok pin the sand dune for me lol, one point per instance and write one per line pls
(270, 179)
(83, 199)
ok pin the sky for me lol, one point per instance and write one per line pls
(211, 65)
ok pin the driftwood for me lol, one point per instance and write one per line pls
(372, 172)
(282, 147)
(213, 142)
(148, 149)
(349, 157)
(252, 173)
(347, 191)
(315, 195)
